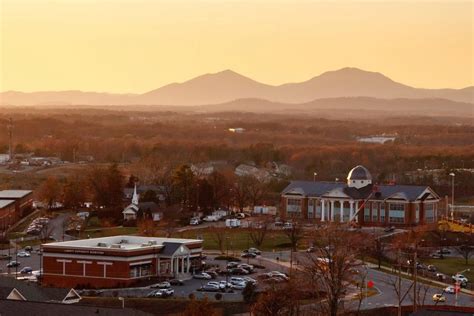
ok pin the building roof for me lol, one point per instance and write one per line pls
(31, 291)
(5, 203)
(319, 189)
(13, 307)
(14, 194)
(170, 248)
(151, 206)
(359, 173)
(124, 243)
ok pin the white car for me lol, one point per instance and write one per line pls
(239, 285)
(203, 275)
(272, 274)
(450, 290)
(460, 278)
(23, 254)
(225, 284)
(236, 280)
(162, 285)
(439, 298)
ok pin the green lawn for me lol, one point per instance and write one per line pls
(450, 266)
(108, 231)
(238, 239)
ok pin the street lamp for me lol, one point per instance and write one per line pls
(452, 175)
(314, 176)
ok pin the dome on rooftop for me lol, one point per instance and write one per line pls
(359, 173)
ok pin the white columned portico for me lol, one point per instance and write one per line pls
(322, 210)
(332, 210)
(341, 202)
(351, 211)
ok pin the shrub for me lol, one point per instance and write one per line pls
(218, 296)
(228, 258)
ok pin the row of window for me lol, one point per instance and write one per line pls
(396, 211)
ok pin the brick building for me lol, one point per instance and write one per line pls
(14, 204)
(118, 261)
(361, 201)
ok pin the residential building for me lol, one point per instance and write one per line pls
(360, 200)
(118, 261)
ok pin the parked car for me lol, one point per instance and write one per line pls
(240, 215)
(26, 270)
(444, 251)
(288, 225)
(209, 288)
(225, 284)
(239, 285)
(246, 266)
(431, 268)
(272, 274)
(311, 249)
(250, 280)
(203, 276)
(234, 280)
(232, 264)
(176, 282)
(13, 264)
(23, 254)
(28, 248)
(389, 229)
(440, 276)
(239, 271)
(436, 256)
(161, 293)
(213, 274)
(459, 278)
(450, 290)
(5, 257)
(253, 250)
(439, 298)
(248, 255)
(161, 285)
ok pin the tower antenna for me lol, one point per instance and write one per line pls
(10, 139)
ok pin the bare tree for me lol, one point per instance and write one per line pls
(331, 267)
(219, 236)
(466, 250)
(258, 232)
(294, 234)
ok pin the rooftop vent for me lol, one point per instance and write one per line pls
(124, 241)
(116, 246)
(102, 244)
(152, 242)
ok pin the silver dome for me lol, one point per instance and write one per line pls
(359, 173)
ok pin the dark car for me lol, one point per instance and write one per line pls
(209, 288)
(26, 270)
(13, 264)
(5, 257)
(444, 251)
(176, 282)
(248, 255)
(389, 229)
(213, 274)
(29, 248)
(239, 271)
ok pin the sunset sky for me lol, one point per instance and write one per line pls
(140, 45)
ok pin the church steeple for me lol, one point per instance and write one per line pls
(135, 196)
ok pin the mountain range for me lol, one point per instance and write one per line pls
(228, 86)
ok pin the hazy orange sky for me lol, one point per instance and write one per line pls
(139, 45)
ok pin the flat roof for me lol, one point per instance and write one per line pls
(123, 242)
(5, 203)
(14, 194)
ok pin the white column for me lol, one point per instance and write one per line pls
(176, 267)
(356, 209)
(64, 261)
(84, 263)
(322, 210)
(182, 266)
(351, 212)
(188, 265)
(172, 265)
(342, 210)
(158, 266)
(105, 264)
(332, 211)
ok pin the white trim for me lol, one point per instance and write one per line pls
(139, 263)
(16, 292)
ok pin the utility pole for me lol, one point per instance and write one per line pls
(399, 284)
(415, 258)
(10, 139)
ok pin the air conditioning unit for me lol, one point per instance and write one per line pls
(102, 244)
(116, 246)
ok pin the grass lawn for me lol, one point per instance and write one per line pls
(34, 242)
(238, 239)
(450, 266)
(108, 231)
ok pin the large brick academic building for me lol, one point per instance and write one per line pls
(118, 261)
(361, 201)
(14, 204)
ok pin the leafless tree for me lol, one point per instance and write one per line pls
(258, 232)
(219, 236)
(294, 234)
(332, 266)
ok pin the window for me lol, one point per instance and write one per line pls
(318, 208)
(375, 217)
(367, 212)
(417, 213)
(382, 212)
(396, 213)
(293, 206)
(429, 212)
(311, 205)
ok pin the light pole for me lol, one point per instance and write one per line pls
(314, 176)
(452, 175)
